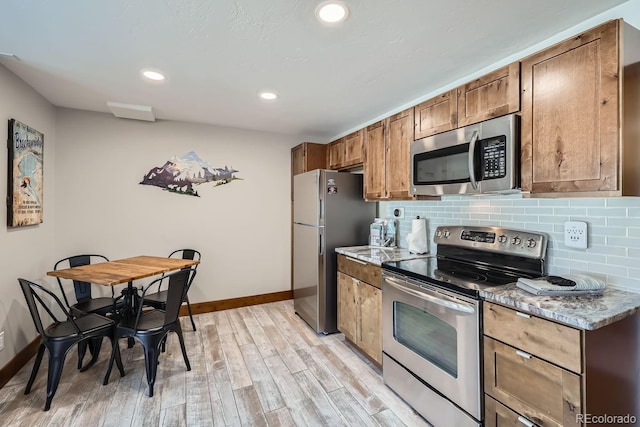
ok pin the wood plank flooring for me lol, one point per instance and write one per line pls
(251, 366)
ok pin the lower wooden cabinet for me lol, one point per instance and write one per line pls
(541, 372)
(360, 306)
(542, 392)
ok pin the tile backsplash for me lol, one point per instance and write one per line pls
(613, 252)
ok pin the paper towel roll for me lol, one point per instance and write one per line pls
(418, 224)
(417, 239)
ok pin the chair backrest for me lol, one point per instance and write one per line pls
(186, 254)
(176, 293)
(81, 289)
(33, 294)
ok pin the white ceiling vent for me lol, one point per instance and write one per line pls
(130, 111)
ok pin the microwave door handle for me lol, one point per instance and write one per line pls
(472, 156)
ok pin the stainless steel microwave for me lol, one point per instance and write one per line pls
(475, 159)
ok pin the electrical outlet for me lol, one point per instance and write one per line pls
(398, 213)
(1, 340)
(575, 234)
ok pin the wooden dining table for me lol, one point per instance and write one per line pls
(121, 271)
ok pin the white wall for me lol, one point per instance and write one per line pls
(27, 251)
(242, 228)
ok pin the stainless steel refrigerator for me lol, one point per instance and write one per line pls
(328, 212)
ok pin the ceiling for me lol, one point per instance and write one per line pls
(218, 54)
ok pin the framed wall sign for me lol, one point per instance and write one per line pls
(24, 189)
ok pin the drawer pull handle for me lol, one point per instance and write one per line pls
(525, 315)
(523, 354)
(356, 260)
(525, 421)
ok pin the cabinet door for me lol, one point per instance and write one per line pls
(492, 95)
(354, 148)
(436, 115)
(370, 324)
(297, 159)
(347, 308)
(570, 114)
(398, 157)
(498, 415)
(374, 169)
(543, 393)
(336, 154)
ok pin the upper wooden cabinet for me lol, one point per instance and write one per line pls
(387, 166)
(354, 148)
(436, 115)
(571, 105)
(374, 161)
(308, 156)
(492, 95)
(398, 156)
(335, 154)
(346, 152)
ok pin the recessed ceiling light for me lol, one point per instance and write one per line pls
(332, 12)
(154, 75)
(268, 95)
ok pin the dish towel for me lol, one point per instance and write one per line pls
(585, 286)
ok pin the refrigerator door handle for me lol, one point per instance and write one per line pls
(320, 249)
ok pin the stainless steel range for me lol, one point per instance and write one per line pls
(432, 317)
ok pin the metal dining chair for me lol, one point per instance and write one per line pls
(158, 299)
(59, 337)
(86, 302)
(151, 327)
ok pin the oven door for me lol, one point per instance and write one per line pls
(435, 334)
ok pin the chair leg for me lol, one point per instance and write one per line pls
(178, 331)
(190, 314)
(94, 348)
(56, 363)
(151, 350)
(82, 350)
(115, 355)
(36, 367)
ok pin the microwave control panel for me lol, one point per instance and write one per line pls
(494, 157)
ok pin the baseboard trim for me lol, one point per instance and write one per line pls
(22, 358)
(226, 304)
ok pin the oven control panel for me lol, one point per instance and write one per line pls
(494, 239)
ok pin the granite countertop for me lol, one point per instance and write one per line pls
(585, 312)
(376, 255)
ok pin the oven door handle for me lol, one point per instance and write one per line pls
(440, 300)
(472, 156)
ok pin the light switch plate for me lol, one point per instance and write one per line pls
(575, 234)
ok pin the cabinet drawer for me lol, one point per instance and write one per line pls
(498, 415)
(361, 270)
(549, 340)
(542, 392)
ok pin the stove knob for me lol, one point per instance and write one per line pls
(531, 243)
(438, 233)
(447, 233)
(516, 240)
(502, 238)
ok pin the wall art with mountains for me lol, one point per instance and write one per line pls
(181, 174)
